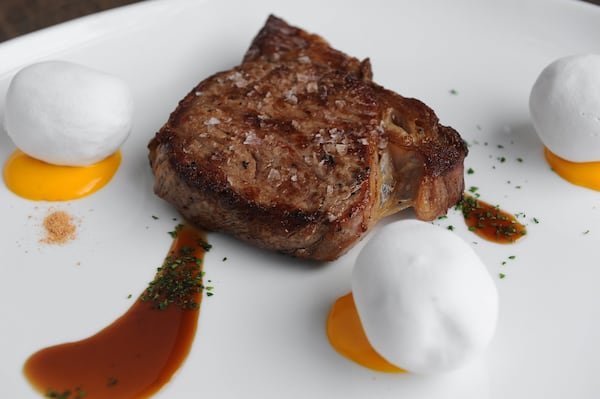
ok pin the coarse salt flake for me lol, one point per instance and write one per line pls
(212, 121)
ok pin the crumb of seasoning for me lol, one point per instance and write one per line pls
(60, 228)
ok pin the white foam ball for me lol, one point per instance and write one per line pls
(424, 297)
(565, 107)
(67, 114)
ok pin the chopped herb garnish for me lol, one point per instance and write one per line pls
(112, 381)
(501, 275)
(174, 232)
(179, 279)
(470, 171)
(154, 217)
(204, 245)
(454, 92)
(77, 393)
(489, 221)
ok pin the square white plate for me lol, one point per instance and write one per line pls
(262, 333)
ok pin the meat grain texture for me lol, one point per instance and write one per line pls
(297, 150)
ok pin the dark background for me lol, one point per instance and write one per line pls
(18, 17)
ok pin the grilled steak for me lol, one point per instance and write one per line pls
(298, 150)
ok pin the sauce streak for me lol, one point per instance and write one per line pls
(584, 174)
(490, 222)
(347, 336)
(37, 180)
(138, 353)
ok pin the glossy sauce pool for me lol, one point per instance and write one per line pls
(490, 222)
(139, 352)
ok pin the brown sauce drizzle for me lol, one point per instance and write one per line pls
(139, 352)
(490, 222)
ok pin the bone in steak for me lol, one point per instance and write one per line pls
(297, 149)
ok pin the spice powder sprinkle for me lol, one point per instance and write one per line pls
(59, 227)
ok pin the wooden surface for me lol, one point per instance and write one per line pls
(18, 17)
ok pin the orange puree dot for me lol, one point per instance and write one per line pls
(37, 180)
(585, 174)
(346, 335)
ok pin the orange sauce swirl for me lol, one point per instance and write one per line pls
(490, 222)
(139, 352)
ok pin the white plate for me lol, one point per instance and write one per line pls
(262, 333)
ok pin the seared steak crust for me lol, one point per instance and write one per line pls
(297, 150)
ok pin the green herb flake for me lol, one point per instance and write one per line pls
(178, 228)
(501, 275)
(179, 279)
(470, 171)
(112, 381)
(78, 393)
(204, 245)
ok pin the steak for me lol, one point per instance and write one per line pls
(297, 150)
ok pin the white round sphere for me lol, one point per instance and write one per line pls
(425, 299)
(565, 107)
(67, 114)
